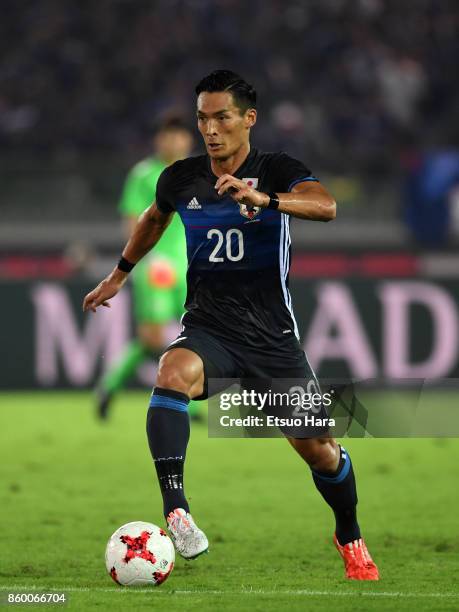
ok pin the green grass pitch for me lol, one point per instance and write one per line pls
(68, 482)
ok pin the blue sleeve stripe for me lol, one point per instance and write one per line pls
(302, 180)
(161, 401)
(340, 477)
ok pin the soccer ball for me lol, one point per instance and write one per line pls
(139, 553)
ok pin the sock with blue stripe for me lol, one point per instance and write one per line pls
(339, 491)
(168, 431)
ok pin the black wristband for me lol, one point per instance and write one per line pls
(124, 265)
(273, 200)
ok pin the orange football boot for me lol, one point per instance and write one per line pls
(357, 561)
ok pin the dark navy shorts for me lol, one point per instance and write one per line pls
(257, 369)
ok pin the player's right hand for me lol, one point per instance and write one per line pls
(105, 290)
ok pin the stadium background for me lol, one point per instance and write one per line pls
(364, 91)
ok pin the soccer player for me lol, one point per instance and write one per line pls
(235, 203)
(159, 281)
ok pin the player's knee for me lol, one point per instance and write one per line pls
(321, 454)
(171, 377)
(177, 373)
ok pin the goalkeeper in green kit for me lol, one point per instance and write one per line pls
(159, 281)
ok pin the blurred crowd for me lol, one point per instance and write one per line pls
(345, 82)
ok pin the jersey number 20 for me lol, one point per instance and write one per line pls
(239, 250)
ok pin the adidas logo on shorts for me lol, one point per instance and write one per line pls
(194, 205)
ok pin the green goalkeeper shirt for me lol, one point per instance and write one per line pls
(138, 193)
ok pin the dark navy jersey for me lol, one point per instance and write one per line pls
(238, 256)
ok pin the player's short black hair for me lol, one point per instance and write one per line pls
(244, 94)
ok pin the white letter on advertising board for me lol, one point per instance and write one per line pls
(57, 335)
(397, 298)
(337, 332)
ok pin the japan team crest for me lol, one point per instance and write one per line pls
(246, 210)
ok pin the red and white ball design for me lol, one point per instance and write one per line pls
(139, 553)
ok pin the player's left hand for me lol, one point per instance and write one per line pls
(240, 191)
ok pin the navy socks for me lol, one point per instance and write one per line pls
(340, 493)
(168, 431)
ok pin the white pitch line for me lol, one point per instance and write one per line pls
(299, 592)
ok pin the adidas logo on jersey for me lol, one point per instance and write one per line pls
(194, 205)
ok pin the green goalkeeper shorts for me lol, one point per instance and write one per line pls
(159, 288)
